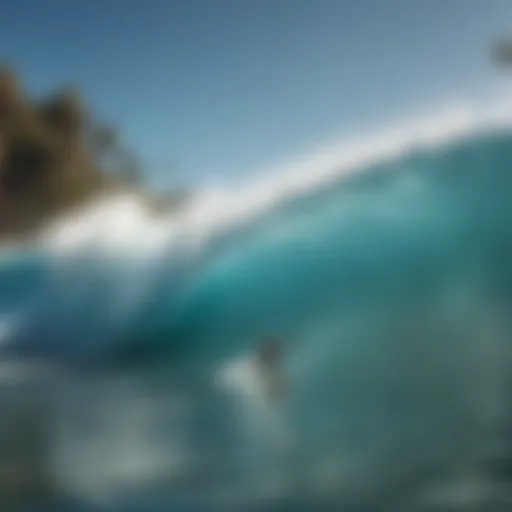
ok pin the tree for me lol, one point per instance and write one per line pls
(502, 53)
(122, 161)
(54, 153)
(46, 160)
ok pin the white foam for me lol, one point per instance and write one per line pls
(122, 225)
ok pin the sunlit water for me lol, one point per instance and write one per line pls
(390, 282)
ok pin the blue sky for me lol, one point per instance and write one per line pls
(226, 87)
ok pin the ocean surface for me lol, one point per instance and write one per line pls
(383, 265)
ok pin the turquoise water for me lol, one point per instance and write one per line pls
(392, 292)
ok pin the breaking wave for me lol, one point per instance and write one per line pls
(383, 263)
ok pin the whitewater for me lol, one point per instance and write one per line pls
(384, 265)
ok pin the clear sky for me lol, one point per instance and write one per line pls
(226, 87)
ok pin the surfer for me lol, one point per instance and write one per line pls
(258, 385)
(258, 375)
(269, 359)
